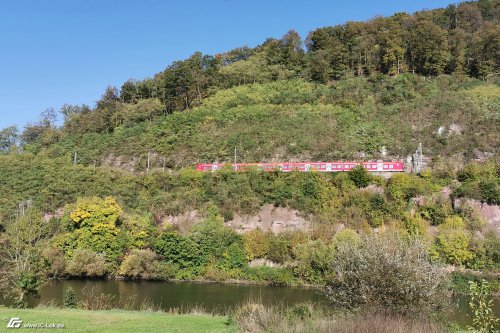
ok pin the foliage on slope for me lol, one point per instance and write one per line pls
(298, 120)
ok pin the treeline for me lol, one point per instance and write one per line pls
(93, 235)
(460, 39)
(292, 120)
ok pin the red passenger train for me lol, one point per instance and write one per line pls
(394, 166)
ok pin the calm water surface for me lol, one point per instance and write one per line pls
(213, 297)
(181, 295)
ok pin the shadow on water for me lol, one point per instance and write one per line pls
(212, 297)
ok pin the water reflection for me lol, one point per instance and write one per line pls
(212, 297)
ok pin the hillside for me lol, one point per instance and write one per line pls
(78, 199)
(391, 82)
(301, 121)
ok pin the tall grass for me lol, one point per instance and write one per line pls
(306, 318)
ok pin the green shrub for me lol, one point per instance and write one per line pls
(492, 248)
(403, 186)
(256, 243)
(435, 213)
(86, 263)
(143, 264)
(271, 275)
(95, 220)
(54, 262)
(360, 176)
(314, 261)
(178, 250)
(279, 249)
(490, 192)
(369, 275)
(344, 237)
(452, 242)
(213, 239)
(414, 226)
(234, 257)
(139, 229)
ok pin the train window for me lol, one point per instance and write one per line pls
(391, 166)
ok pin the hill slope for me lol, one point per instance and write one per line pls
(301, 121)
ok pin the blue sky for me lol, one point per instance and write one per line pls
(67, 51)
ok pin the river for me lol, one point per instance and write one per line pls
(212, 297)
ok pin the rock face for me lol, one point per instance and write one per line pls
(270, 218)
(490, 213)
(183, 222)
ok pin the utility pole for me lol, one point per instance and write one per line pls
(164, 164)
(74, 159)
(234, 158)
(149, 154)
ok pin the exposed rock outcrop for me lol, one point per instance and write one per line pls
(490, 213)
(270, 218)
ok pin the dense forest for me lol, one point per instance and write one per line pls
(79, 200)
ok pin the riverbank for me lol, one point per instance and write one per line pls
(248, 318)
(109, 321)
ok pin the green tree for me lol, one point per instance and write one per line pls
(360, 176)
(128, 92)
(178, 250)
(95, 226)
(21, 261)
(452, 242)
(213, 238)
(428, 51)
(8, 138)
(69, 298)
(481, 304)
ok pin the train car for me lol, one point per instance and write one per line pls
(346, 166)
(394, 166)
(204, 167)
(286, 167)
(335, 166)
(371, 166)
(317, 166)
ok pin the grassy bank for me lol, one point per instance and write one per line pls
(118, 320)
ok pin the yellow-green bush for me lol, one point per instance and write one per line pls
(256, 243)
(452, 242)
